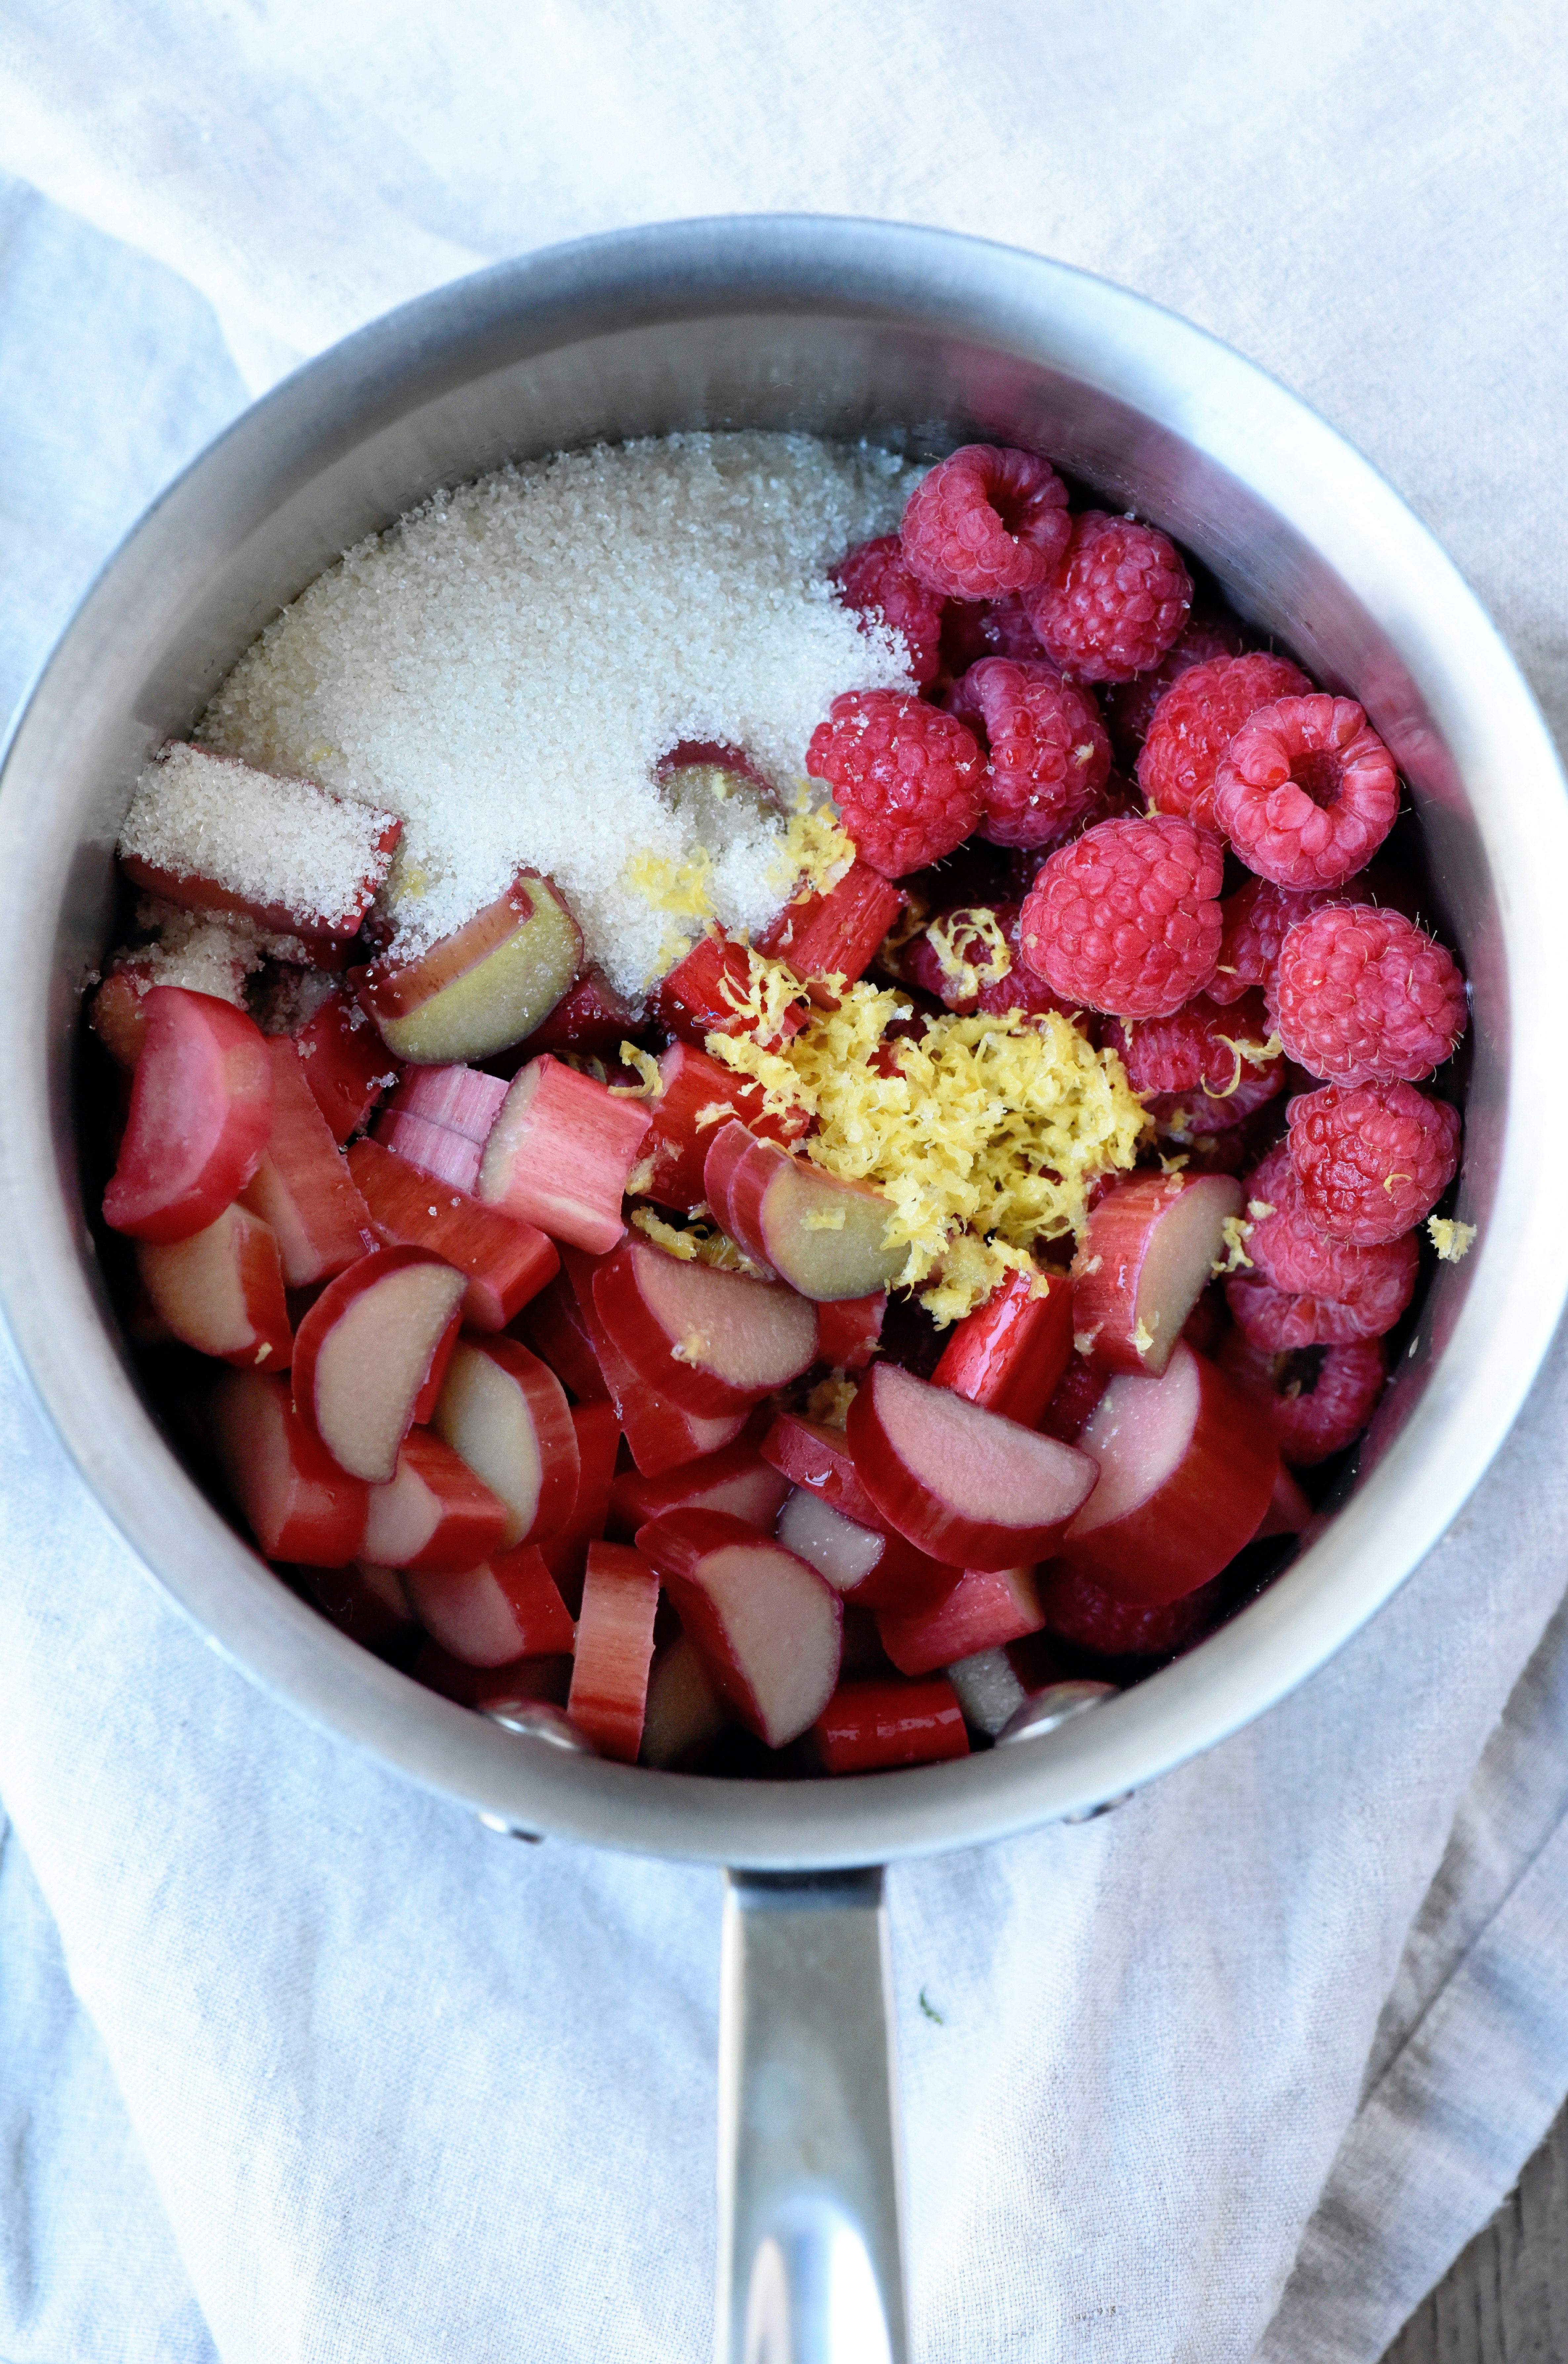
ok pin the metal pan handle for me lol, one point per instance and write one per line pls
(810, 2266)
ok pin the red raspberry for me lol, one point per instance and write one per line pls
(1372, 1161)
(908, 778)
(1195, 721)
(1369, 1287)
(922, 964)
(1128, 706)
(1117, 604)
(986, 522)
(1307, 791)
(1190, 1116)
(1365, 997)
(1279, 1322)
(1124, 919)
(1255, 919)
(1078, 1610)
(1195, 1050)
(1049, 754)
(1319, 1400)
(874, 580)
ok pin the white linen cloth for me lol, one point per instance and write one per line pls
(297, 2063)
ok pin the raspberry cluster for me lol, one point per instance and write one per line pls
(1049, 753)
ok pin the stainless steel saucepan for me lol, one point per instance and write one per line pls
(919, 339)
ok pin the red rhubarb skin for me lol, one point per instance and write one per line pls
(848, 1330)
(559, 1153)
(736, 1173)
(302, 1186)
(334, 1300)
(986, 1608)
(809, 1455)
(597, 1432)
(470, 1521)
(250, 1247)
(836, 934)
(692, 1002)
(538, 1621)
(1008, 1356)
(677, 1145)
(736, 1478)
(907, 1497)
(1196, 1521)
(867, 1727)
(518, 1682)
(506, 1261)
(552, 1324)
(636, 1330)
(296, 1501)
(591, 1017)
(553, 1428)
(393, 989)
(1121, 1234)
(346, 1064)
(676, 1547)
(614, 1648)
(660, 1434)
(201, 1110)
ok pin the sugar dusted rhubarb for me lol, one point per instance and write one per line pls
(559, 1152)
(505, 1261)
(485, 986)
(614, 1644)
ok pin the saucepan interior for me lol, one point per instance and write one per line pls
(915, 340)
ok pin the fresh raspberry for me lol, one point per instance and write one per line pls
(1078, 1390)
(1369, 1287)
(985, 523)
(1372, 1160)
(1195, 721)
(1191, 1116)
(1362, 996)
(1124, 919)
(1255, 919)
(1319, 1399)
(908, 778)
(1049, 754)
(1307, 791)
(1114, 609)
(996, 628)
(1278, 1322)
(959, 934)
(1196, 1049)
(874, 581)
(1078, 1610)
(1128, 706)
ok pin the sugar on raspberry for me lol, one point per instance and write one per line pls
(1362, 996)
(1307, 791)
(1372, 1159)
(1319, 1399)
(986, 522)
(1117, 603)
(874, 579)
(1196, 719)
(1049, 753)
(1124, 920)
(908, 779)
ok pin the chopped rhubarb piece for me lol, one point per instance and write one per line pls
(214, 835)
(433, 1149)
(810, 1454)
(370, 1355)
(364, 1602)
(696, 1096)
(614, 1644)
(836, 934)
(1147, 1251)
(484, 987)
(519, 1683)
(505, 1261)
(294, 1499)
(962, 1485)
(848, 1330)
(554, 1326)
(1084, 1614)
(1008, 1356)
(593, 1017)
(503, 1411)
(213, 964)
(346, 1064)
(597, 1431)
(459, 1098)
(709, 992)
(559, 1152)
(708, 1339)
(201, 1108)
(683, 1710)
(1289, 1510)
(434, 1516)
(986, 1608)
(221, 1290)
(1187, 1466)
(736, 1479)
(992, 1685)
(823, 1235)
(768, 1625)
(303, 1188)
(506, 1607)
(867, 1727)
(869, 1566)
(660, 1436)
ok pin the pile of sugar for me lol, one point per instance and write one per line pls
(505, 667)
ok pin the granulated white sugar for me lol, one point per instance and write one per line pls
(505, 667)
(273, 841)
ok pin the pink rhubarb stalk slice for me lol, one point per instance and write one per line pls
(506, 1607)
(709, 1339)
(1188, 1467)
(986, 1608)
(684, 1710)
(869, 1566)
(503, 1411)
(486, 986)
(836, 934)
(301, 1187)
(868, 1727)
(770, 1628)
(221, 1290)
(823, 1235)
(615, 1644)
(696, 1096)
(660, 1434)
(505, 1261)
(1148, 1252)
(346, 1064)
(201, 1108)
(736, 1479)
(707, 993)
(962, 1485)
(559, 1152)
(552, 1324)
(811, 1454)
(1008, 1356)
(370, 1355)
(433, 1516)
(597, 1431)
(293, 1496)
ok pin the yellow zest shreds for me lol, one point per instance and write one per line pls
(696, 1243)
(684, 889)
(771, 992)
(715, 1112)
(641, 1175)
(1259, 1208)
(1235, 1231)
(1247, 1055)
(985, 957)
(985, 1132)
(1450, 1239)
(829, 1400)
(814, 852)
(1143, 1337)
(649, 1083)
